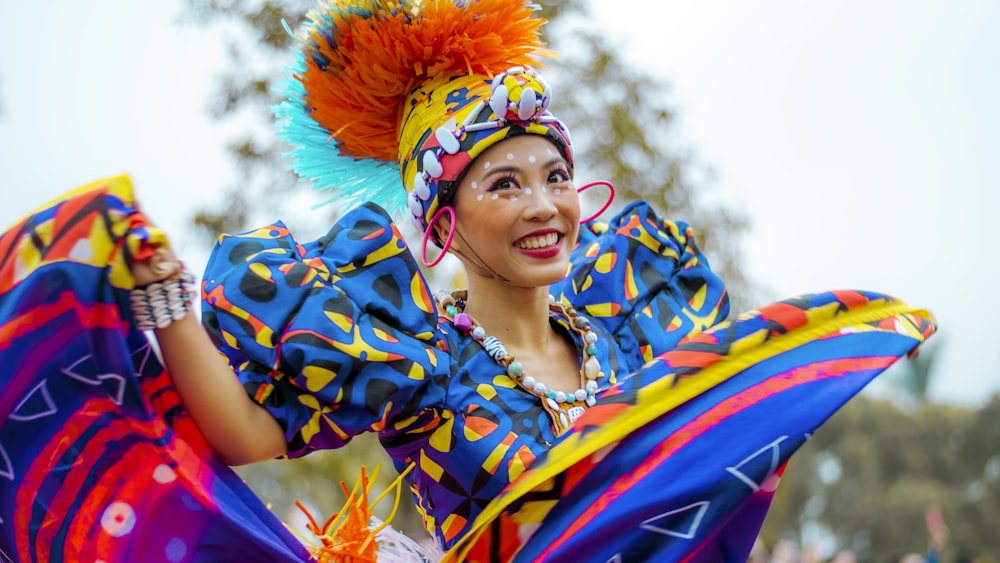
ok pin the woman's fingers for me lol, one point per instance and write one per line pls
(162, 265)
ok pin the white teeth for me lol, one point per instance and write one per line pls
(539, 241)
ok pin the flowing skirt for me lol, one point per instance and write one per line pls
(99, 462)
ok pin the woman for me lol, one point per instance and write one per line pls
(532, 426)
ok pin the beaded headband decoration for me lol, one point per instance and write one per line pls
(412, 90)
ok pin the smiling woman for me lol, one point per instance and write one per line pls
(585, 381)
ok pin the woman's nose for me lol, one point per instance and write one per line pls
(541, 205)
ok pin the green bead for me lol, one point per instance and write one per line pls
(550, 394)
(591, 350)
(515, 369)
(451, 311)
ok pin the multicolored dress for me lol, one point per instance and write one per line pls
(676, 460)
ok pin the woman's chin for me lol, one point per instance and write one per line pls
(541, 275)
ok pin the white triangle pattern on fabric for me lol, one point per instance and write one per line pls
(6, 467)
(773, 450)
(42, 391)
(118, 391)
(698, 508)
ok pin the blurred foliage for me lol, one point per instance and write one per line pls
(870, 473)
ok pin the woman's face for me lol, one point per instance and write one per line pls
(518, 210)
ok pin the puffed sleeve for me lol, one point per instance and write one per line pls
(333, 337)
(645, 280)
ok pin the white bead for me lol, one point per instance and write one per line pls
(590, 338)
(494, 347)
(447, 140)
(562, 419)
(420, 187)
(560, 397)
(539, 388)
(528, 381)
(432, 165)
(515, 70)
(416, 209)
(591, 401)
(552, 404)
(591, 386)
(479, 333)
(526, 107)
(592, 368)
(498, 101)
(580, 394)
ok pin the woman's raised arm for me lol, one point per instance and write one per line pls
(238, 430)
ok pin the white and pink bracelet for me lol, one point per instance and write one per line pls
(159, 304)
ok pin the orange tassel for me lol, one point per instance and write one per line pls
(346, 535)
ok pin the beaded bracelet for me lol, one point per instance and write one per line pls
(161, 303)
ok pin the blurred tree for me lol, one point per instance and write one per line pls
(624, 130)
(916, 375)
(868, 476)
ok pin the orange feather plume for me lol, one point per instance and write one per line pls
(364, 57)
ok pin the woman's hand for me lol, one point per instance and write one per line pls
(162, 265)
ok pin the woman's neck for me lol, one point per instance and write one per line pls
(519, 316)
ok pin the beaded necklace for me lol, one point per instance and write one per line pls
(563, 406)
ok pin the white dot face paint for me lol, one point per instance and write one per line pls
(487, 164)
(513, 198)
(479, 197)
(557, 191)
(475, 184)
(510, 156)
(527, 191)
(545, 190)
(532, 158)
(549, 151)
(495, 196)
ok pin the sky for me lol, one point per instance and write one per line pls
(861, 138)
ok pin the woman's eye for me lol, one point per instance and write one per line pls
(503, 184)
(557, 176)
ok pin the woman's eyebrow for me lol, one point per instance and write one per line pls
(509, 168)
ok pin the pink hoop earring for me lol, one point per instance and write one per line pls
(606, 204)
(447, 241)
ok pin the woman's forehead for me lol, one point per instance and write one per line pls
(521, 149)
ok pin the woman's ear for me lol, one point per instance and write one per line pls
(441, 228)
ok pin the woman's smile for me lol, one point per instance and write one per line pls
(540, 245)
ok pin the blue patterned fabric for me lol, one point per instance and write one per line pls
(340, 336)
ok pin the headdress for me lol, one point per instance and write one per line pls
(412, 90)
